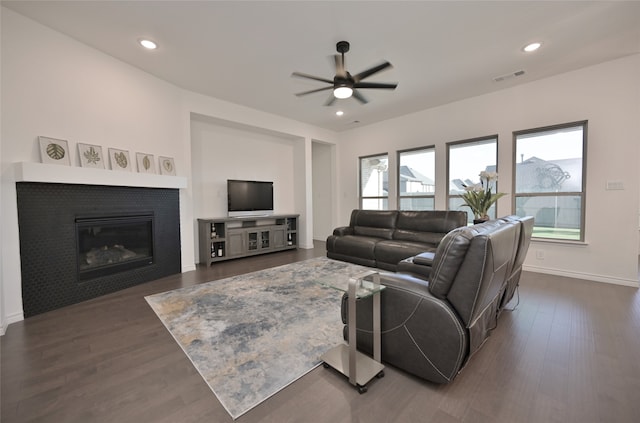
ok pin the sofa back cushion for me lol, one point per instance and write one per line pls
(431, 238)
(526, 230)
(374, 223)
(427, 226)
(435, 221)
(447, 260)
(482, 276)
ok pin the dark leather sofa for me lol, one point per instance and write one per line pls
(432, 325)
(382, 238)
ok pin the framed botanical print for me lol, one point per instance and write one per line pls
(167, 167)
(145, 163)
(54, 151)
(91, 156)
(120, 160)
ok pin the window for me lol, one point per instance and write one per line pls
(549, 169)
(466, 159)
(416, 179)
(374, 182)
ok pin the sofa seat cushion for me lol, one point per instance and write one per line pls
(352, 259)
(432, 238)
(382, 233)
(392, 251)
(355, 245)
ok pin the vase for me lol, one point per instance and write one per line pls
(481, 220)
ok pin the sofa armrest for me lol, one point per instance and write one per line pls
(424, 259)
(421, 334)
(343, 230)
(419, 265)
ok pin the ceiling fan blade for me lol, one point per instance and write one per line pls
(367, 73)
(356, 94)
(389, 86)
(340, 70)
(330, 100)
(307, 76)
(314, 91)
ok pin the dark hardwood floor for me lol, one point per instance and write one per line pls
(570, 352)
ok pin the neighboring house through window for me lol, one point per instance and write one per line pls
(416, 179)
(374, 182)
(549, 169)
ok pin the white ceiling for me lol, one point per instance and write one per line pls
(442, 51)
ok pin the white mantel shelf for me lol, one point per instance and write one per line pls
(58, 174)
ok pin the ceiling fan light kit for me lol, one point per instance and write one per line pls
(345, 85)
(342, 92)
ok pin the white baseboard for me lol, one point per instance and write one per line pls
(15, 317)
(12, 318)
(586, 276)
(188, 268)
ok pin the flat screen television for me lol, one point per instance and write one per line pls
(249, 198)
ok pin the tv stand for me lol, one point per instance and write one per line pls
(227, 238)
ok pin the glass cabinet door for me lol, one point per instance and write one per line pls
(264, 237)
(253, 240)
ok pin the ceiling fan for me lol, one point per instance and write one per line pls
(345, 85)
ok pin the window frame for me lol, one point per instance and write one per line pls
(399, 196)
(582, 194)
(361, 197)
(488, 139)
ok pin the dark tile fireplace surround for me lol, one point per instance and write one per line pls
(79, 242)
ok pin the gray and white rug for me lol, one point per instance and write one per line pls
(251, 335)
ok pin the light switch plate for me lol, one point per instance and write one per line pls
(615, 185)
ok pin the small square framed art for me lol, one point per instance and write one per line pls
(54, 151)
(91, 156)
(120, 160)
(145, 163)
(167, 166)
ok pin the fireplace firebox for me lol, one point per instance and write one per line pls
(112, 244)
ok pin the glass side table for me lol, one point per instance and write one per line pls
(358, 367)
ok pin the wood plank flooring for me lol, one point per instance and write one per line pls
(570, 352)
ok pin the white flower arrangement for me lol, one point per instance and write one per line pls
(479, 198)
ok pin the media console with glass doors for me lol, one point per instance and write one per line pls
(233, 237)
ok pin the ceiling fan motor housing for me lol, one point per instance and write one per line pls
(343, 82)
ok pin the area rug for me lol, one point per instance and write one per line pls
(252, 335)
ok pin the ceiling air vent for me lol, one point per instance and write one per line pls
(508, 76)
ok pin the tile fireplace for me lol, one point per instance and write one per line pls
(78, 242)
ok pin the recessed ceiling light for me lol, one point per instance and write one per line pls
(148, 44)
(531, 47)
(339, 113)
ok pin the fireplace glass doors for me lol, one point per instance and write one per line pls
(108, 245)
